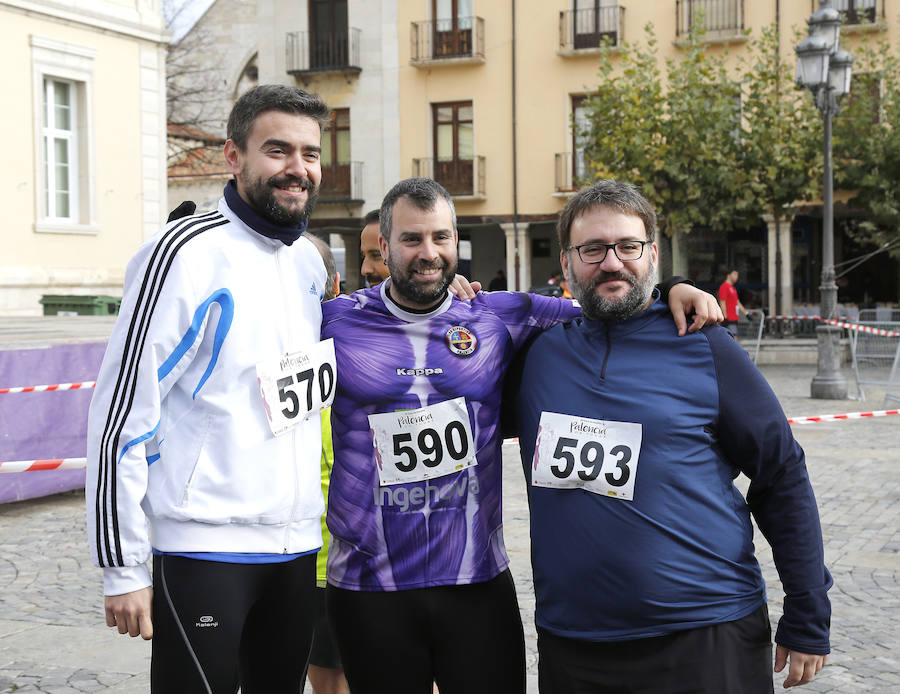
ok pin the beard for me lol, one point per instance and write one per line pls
(262, 197)
(597, 307)
(404, 282)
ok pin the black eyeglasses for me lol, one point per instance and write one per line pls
(595, 252)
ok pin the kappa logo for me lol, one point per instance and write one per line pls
(420, 372)
(461, 340)
(207, 621)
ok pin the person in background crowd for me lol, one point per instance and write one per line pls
(728, 300)
(498, 284)
(325, 672)
(374, 270)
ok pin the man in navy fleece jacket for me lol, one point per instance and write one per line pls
(642, 547)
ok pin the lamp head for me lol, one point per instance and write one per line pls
(840, 66)
(826, 23)
(812, 62)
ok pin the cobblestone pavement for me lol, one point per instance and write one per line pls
(53, 638)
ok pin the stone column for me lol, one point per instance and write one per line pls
(524, 256)
(828, 383)
(787, 275)
(510, 255)
(153, 141)
(679, 255)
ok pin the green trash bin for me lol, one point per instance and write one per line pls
(80, 305)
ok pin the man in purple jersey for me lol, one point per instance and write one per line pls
(417, 552)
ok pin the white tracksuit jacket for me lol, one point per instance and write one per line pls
(177, 434)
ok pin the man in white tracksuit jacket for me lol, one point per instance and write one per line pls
(204, 433)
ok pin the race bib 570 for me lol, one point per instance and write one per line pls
(591, 454)
(297, 385)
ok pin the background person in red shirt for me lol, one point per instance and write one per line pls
(728, 300)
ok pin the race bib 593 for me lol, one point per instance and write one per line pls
(591, 454)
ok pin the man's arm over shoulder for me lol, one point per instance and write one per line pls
(686, 301)
(756, 437)
(525, 315)
(334, 309)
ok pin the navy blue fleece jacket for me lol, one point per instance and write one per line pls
(680, 554)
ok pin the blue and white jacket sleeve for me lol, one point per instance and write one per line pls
(756, 437)
(157, 309)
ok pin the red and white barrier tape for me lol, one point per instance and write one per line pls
(841, 417)
(34, 465)
(842, 324)
(76, 463)
(863, 328)
(53, 386)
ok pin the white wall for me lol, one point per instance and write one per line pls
(112, 51)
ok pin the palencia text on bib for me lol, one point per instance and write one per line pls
(297, 385)
(580, 453)
(421, 444)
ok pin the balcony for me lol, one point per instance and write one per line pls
(860, 14)
(342, 184)
(308, 53)
(571, 172)
(722, 19)
(463, 178)
(585, 31)
(438, 42)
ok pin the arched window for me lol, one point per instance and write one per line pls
(248, 79)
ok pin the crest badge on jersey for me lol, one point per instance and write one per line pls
(461, 340)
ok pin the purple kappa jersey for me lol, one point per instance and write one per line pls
(446, 530)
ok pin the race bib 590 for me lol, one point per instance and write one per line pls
(416, 445)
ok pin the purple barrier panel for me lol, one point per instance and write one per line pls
(49, 424)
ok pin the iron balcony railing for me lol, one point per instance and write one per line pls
(342, 182)
(571, 173)
(461, 177)
(589, 28)
(719, 16)
(310, 52)
(857, 11)
(442, 40)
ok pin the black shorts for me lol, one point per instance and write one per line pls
(728, 658)
(324, 652)
(466, 638)
(217, 626)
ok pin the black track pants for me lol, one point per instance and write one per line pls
(728, 658)
(467, 638)
(217, 626)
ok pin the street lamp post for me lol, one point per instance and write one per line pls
(824, 68)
